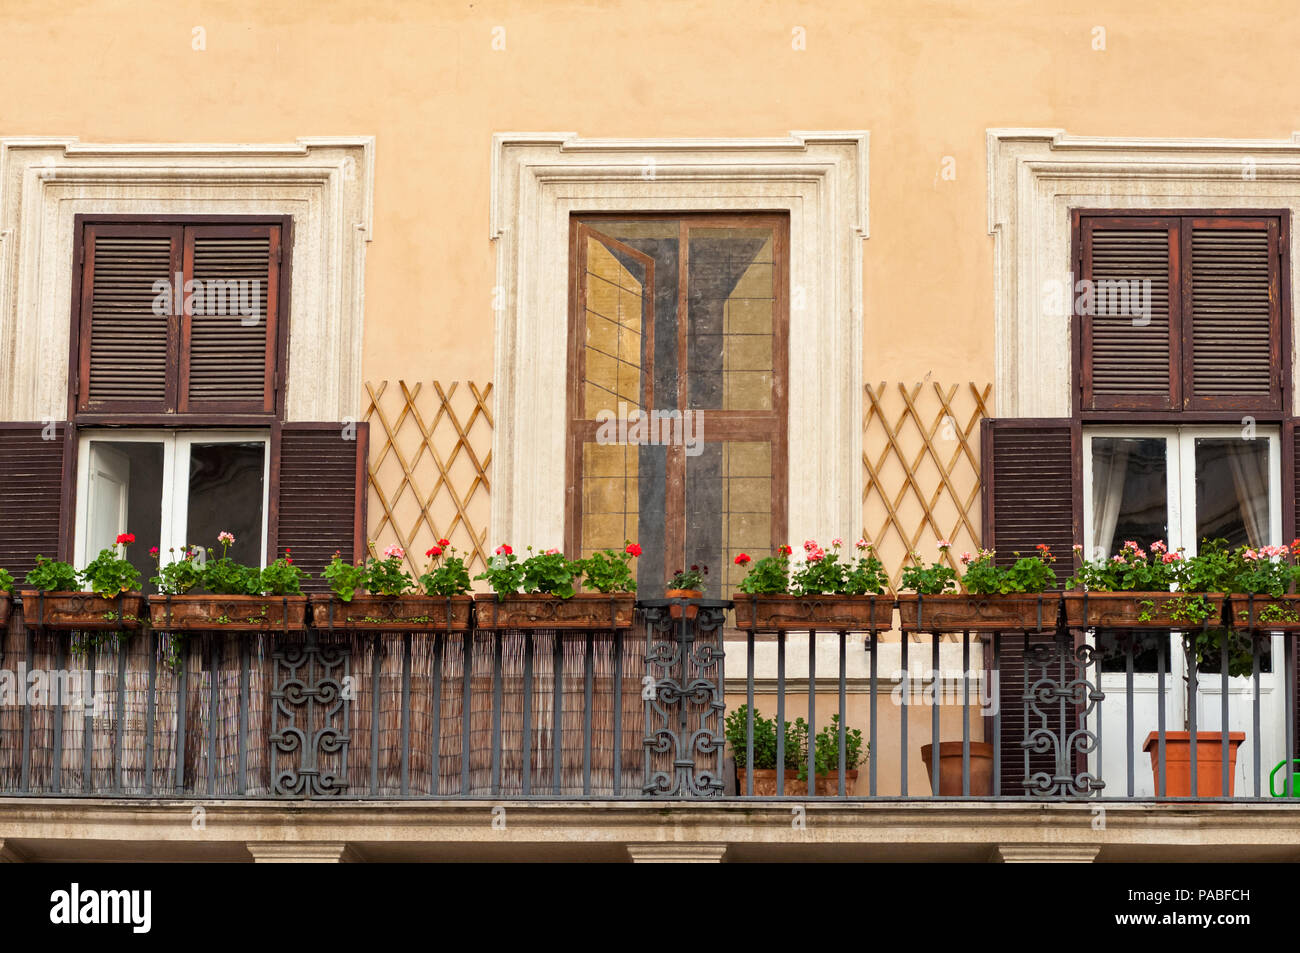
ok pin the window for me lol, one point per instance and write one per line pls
(173, 490)
(178, 317)
(1179, 313)
(677, 390)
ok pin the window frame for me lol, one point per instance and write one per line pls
(174, 501)
(123, 412)
(717, 426)
(1205, 410)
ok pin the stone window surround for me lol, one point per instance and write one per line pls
(539, 179)
(325, 183)
(1036, 176)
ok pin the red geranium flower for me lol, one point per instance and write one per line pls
(126, 538)
(504, 550)
(633, 549)
(444, 543)
(434, 551)
(783, 550)
(742, 559)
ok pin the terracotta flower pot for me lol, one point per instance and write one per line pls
(1131, 610)
(691, 611)
(6, 608)
(828, 785)
(585, 610)
(960, 612)
(393, 613)
(950, 759)
(228, 613)
(81, 611)
(784, 613)
(1209, 762)
(1265, 612)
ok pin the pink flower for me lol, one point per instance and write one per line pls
(153, 550)
(552, 552)
(394, 552)
(809, 545)
(1077, 547)
(966, 558)
(816, 555)
(1168, 558)
(1159, 546)
(226, 538)
(863, 544)
(944, 544)
(837, 542)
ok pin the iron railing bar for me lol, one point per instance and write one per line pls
(618, 708)
(435, 745)
(557, 712)
(213, 662)
(965, 713)
(871, 702)
(375, 685)
(749, 710)
(936, 688)
(812, 712)
(903, 708)
(780, 713)
(88, 722)
(245, 677)
(844, 723)
(1024, 708)
(119, 728)
(1223, 710)
(997, 713)
(405, 775)
(498, 704)
(56, 769)
(526, 772)
(1288, 694)
(25, 771)
(1129, 638)
(1193, 684)
(587, 688)
(1162, 642)
(466, 707)
(1255, 643)
(182, 689)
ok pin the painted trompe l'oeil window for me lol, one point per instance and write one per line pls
(677, 396)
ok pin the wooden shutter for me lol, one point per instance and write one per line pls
(127, 348)
(179, 318)
(32, 494)
(228, 344)
(1031, 472)
(1232, 304)
(318, 487)
(1129, 360)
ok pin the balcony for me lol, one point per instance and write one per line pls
(629, 727)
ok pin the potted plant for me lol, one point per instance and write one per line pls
(1147, 588)
(826, 757)
(110, 598)
(950, 768)
(379, 594)
(539, 592)
(1261, 593)
(233, 597)
(736, 729)
(688, 584)
(996, 597)
(6, 597)
(824, 593)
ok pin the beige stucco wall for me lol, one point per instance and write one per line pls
(926, 78)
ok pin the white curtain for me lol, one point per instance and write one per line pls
(1250, 479)
(1109, 469)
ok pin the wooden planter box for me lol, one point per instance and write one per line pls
(228, 613)
(585, 610)
(1279, 615)
(784, 613)
(6, 608)
(393, 613)
(81, 611)
(1125, 610)
(828, 785)
(959, 612)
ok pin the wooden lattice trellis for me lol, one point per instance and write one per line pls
(430, 464)
(921, 455)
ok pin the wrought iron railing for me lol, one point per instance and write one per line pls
(632, 713)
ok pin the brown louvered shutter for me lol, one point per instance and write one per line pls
(32, 494)
(127, 349)
(1232, 308)
(1030, 473)
(318, 485)
(1128, 317)
(229, 342)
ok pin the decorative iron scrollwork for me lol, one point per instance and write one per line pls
(310, 717)
(1056, 685)
(685, 710)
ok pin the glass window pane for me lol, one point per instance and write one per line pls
(729, 509)
(619, 481)
(225, 495)
(1130, 479)
(1232, 484)
(124, 495)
